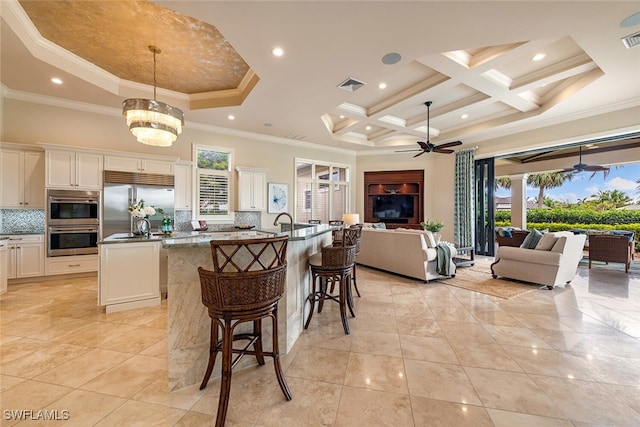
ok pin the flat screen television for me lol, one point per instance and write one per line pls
(393, 206)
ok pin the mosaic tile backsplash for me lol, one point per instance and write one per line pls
(21, 220)
(182, 221)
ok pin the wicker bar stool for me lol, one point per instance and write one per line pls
(333, 265)
(351, 237)
(246, 284)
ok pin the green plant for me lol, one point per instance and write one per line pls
(433, 226)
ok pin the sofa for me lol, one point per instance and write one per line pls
(410, 253)
(553, 261)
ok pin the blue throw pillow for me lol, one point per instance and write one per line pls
(508, 233)
(532, 239)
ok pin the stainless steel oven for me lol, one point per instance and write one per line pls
(72, 240)
(68, 207)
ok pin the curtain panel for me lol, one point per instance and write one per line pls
(464, 202)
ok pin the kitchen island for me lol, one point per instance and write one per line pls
(188, 321)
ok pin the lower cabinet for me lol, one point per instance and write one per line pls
(4, 266)
(71, 264)
(26, 256)
(129, 275)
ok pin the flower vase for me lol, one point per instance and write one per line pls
(438, 237)
(140, 226)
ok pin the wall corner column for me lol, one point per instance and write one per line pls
(519, 200)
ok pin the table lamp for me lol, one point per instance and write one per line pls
(350, 219)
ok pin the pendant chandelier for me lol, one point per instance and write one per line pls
(153, 122)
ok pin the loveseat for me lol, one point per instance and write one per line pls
(410, 253)
(553, 261)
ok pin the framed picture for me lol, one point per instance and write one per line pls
(278, 195)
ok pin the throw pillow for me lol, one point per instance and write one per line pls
(508, 233)
(546, 242)
(532, 239)
(380, 225)
(430, 239)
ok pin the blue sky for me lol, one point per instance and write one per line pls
(622, 178)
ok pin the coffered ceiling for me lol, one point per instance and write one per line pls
(468, 58)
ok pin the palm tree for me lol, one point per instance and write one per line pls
(505, 182)
(614, 198)
(547, 180)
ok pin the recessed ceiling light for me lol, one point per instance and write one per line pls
(342, 116)
(382, 86)
(367, 128)
(231, 117)
(56, 80)
(539, 56)
(464, 116)
(277, 51)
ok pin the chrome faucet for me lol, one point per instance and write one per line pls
(290, 219)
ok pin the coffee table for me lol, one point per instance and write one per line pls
(467, 258)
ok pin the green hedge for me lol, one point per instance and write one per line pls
(576, 216)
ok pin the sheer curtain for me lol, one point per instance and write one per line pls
(464, 203)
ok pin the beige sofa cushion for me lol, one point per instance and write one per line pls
(428, 236)
(546, 242)
(529, 255)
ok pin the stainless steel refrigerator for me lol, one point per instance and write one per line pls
(123, 188)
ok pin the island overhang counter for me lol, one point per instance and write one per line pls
(189, 324)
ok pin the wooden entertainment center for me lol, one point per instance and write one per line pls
(395, 198)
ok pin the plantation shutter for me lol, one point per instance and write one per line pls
(213, 194)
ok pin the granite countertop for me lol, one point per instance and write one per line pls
(202, 238)
(18, 233)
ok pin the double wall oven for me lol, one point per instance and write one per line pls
(73, 222)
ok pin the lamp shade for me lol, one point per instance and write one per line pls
(350, 218)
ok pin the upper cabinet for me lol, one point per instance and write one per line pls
(252, 189)
(138, 164)
(75, 170)
(183, 187)
(22, 179)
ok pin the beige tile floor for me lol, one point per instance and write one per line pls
(418, 355)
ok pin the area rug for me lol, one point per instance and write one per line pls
(478, 278)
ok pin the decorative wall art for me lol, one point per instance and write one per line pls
(278, 198)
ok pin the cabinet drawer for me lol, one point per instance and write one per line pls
(71, 264)
(25, 238)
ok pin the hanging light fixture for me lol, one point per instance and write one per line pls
(153, 122)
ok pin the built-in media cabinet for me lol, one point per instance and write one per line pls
(395, 198)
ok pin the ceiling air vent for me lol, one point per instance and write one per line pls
(632, 40)
(351, 84)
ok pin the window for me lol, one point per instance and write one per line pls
(322, 190)
(213, 166)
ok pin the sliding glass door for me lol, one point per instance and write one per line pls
(485, 218)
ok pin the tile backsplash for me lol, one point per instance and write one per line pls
(182, 220)
(19, 220)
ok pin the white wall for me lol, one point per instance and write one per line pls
(32, 123)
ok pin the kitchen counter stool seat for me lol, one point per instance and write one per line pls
(246, 284)
(334, 265)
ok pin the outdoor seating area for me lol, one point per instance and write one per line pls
(600, 245)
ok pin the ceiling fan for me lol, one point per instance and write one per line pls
(428, 147)
(582, 167)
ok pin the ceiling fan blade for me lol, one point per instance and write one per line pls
(449, 144)
(423, 145)
(595, 168)
(405, 151)
(443, 150)
(420, 154)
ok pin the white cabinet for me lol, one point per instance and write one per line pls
(137, 164)
(4, 266)
(74, 170)
(70, 264)
(22, 179)
(252, 189)
(183, 187)
(26, 256)
(129, 275)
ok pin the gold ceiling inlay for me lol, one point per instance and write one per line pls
(114, 35)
